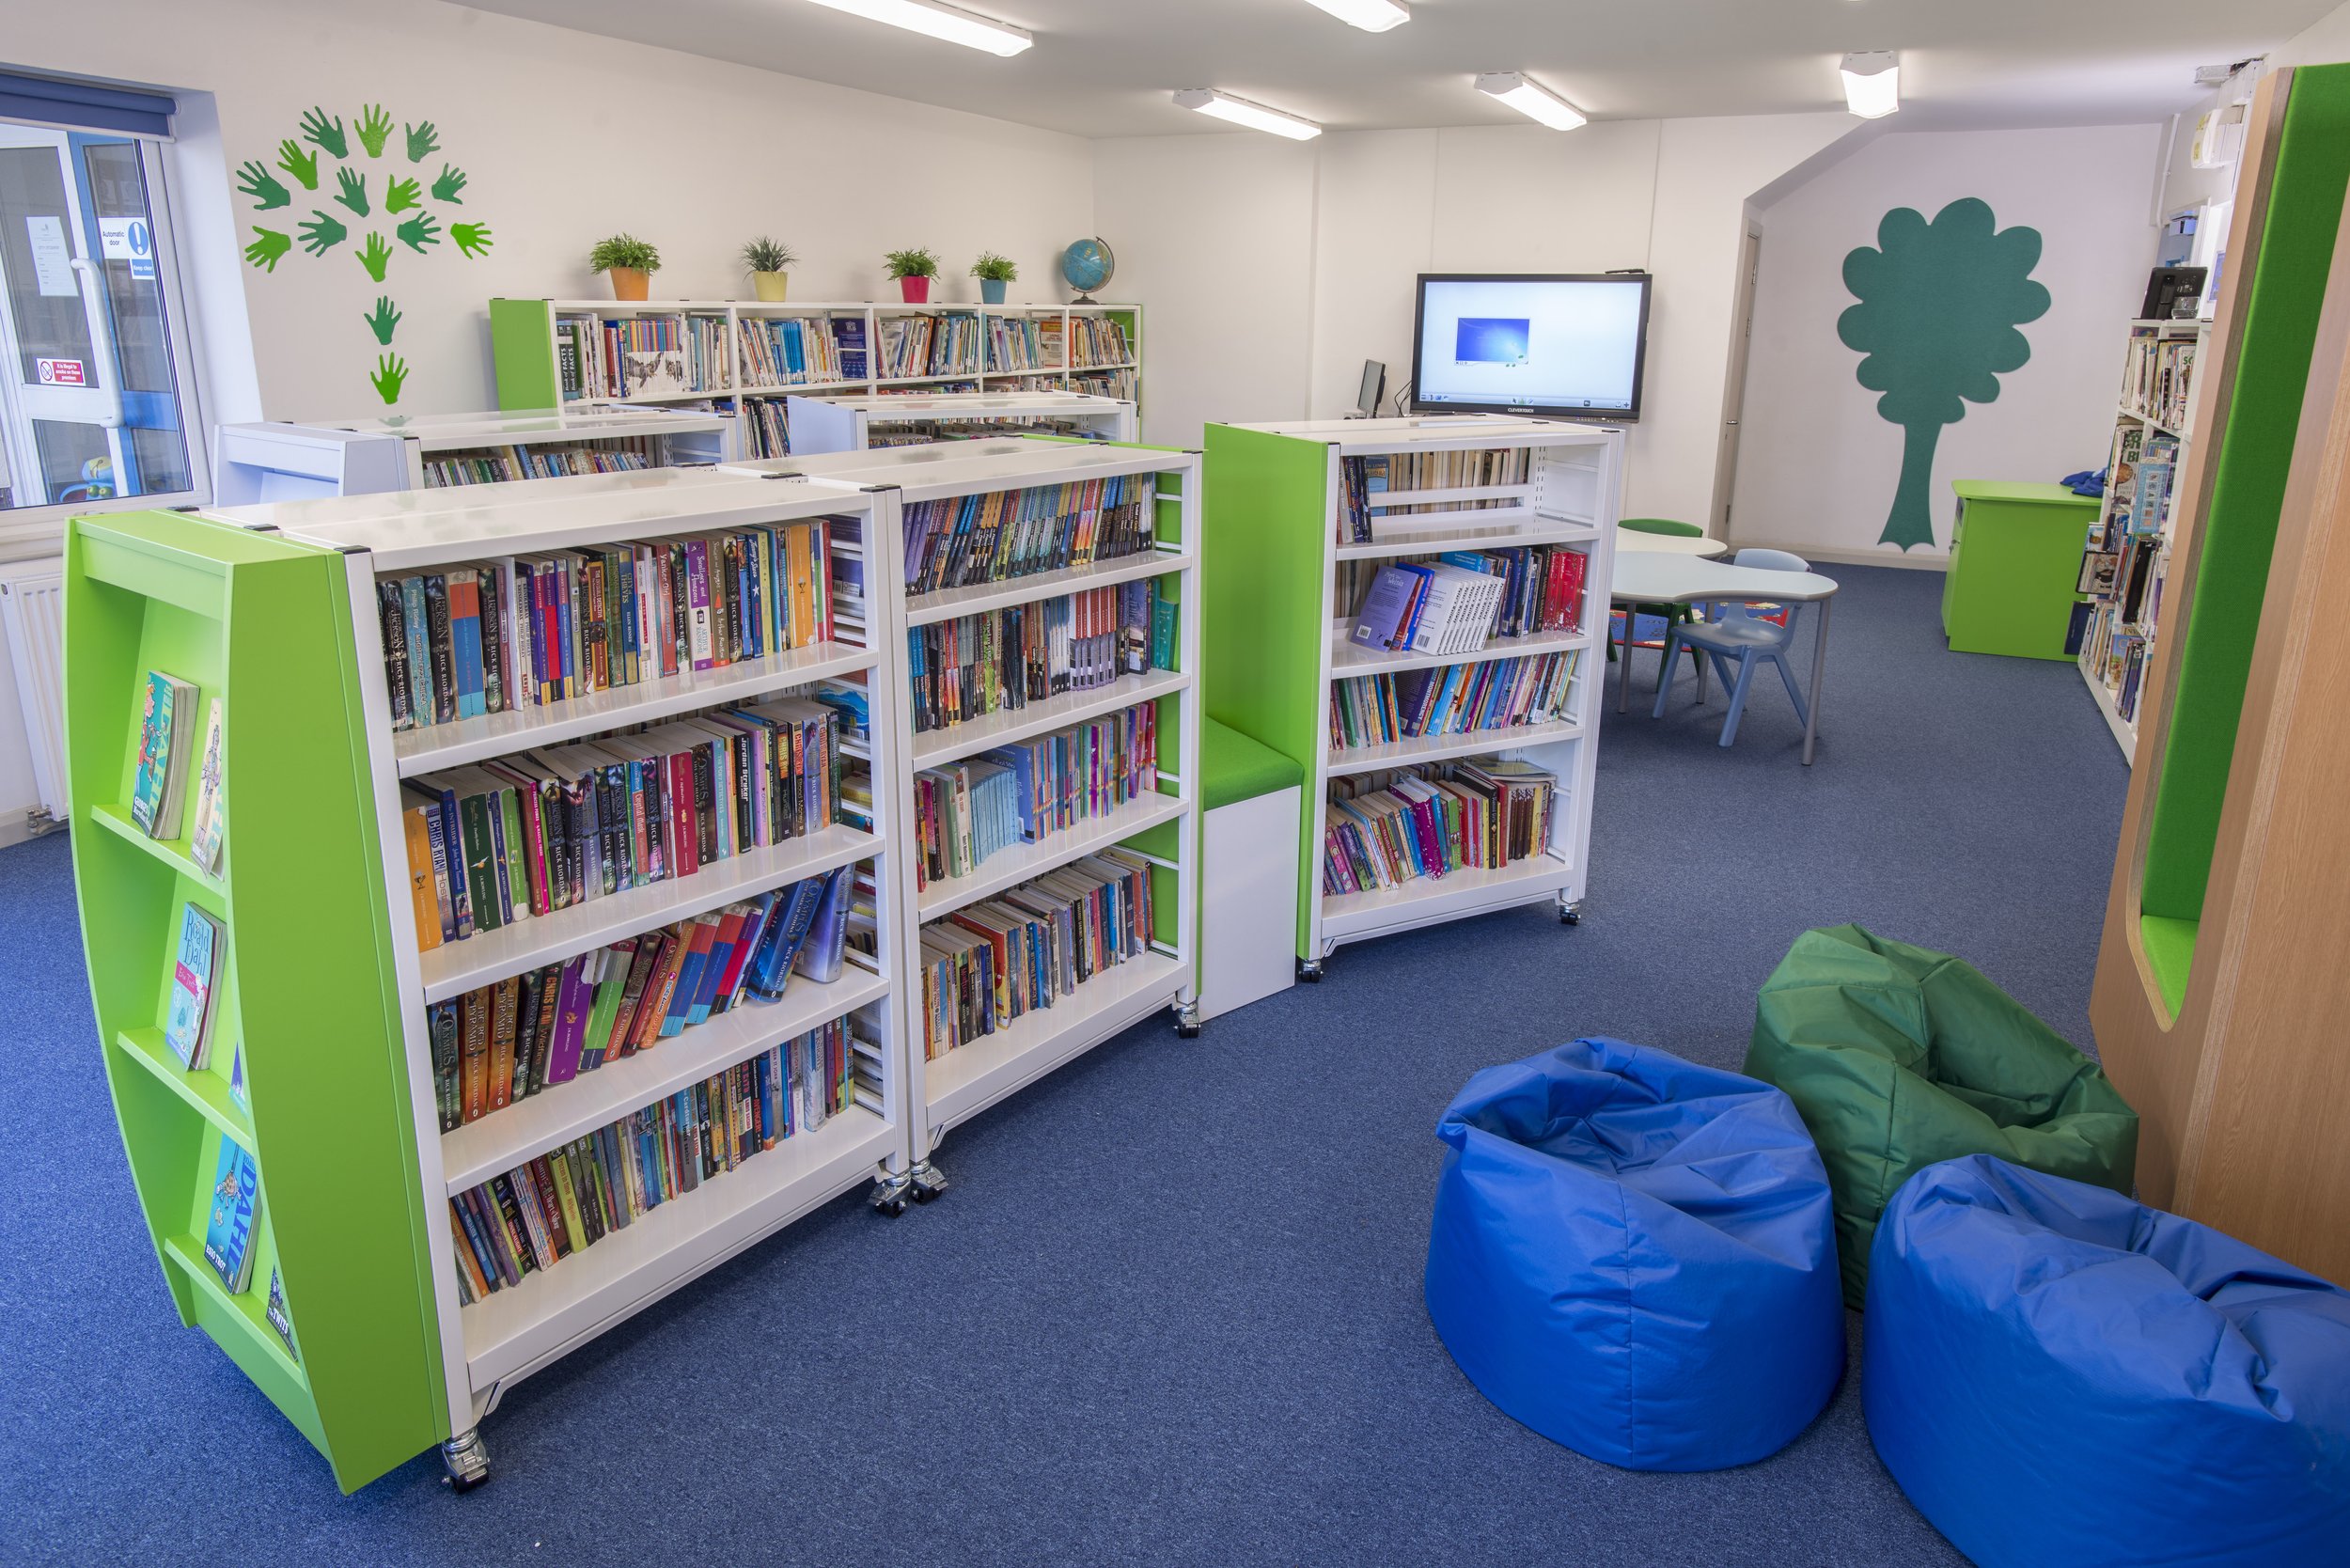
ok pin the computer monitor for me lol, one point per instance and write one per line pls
(1375, 387)
(1560, 346)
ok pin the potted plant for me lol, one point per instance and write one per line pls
(631, 261)
(765, 260)
(993, 271)
(914, 269)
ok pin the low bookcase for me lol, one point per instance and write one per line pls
(1161, 824)
(1281, 551)
(856, 424)
(277, 609)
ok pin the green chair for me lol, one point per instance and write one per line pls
(1899, 1058)
(1672, 615)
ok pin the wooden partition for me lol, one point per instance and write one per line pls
(2224, 979)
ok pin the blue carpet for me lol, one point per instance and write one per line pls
(1170, 1311)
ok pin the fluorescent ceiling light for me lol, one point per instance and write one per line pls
(1872, 83)
(1371, 16)
(1534, 103)
(940, 22)
(1223, 105)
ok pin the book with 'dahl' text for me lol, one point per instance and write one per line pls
(229, 1233)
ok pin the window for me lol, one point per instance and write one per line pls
(98, 405)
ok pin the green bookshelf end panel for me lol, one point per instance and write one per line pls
(522, 350)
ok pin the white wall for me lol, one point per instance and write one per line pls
(1818, 466)
(2324, 42)
(1226, 236)
(564, 137)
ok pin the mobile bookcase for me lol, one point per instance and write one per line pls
(275, 608)
(1162, 824)
(1280, 553)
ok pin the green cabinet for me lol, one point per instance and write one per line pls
(2015, 557)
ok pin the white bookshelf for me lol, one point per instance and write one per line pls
(2114, 651)
(835, 423)
(973, 1076)
(525, 341)
(289, 460)
(1573, 497)
(487, 1346)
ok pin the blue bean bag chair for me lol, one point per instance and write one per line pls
(2061, 1377)
(1635, 1257)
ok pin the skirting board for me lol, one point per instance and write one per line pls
(1906, 559)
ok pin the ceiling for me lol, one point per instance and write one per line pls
(1107, 68)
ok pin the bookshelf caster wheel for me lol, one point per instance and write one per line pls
(1571, 914)
(466, 1458)
(1187, 1020)
(926, 1181)
(1309, 971)
(890, 1193)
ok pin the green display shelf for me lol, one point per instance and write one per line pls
(2015, 556)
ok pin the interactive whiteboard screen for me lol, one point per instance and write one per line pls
(1566, 346)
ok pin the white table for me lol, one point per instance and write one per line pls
(1669, 545)
(1646, 576)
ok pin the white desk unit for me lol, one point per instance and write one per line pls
(1652, 577)
(847, 424)
(277, 461)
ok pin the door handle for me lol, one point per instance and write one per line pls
(103, 373)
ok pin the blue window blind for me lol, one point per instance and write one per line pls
(84, 105)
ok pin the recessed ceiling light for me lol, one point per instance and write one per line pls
(1872, 83)
(1223, 105)
(1541, 104)
(950, 22)
(1371, 16)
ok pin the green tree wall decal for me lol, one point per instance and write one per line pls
(1940, 303)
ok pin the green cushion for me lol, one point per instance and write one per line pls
(1898, 1058)
(1234, 767)
(1661, 525)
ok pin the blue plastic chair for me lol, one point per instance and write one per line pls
(1738, 632)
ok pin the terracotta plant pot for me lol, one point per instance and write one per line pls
(628, 283)
(770, 286)
(916, 290)
(992, 290)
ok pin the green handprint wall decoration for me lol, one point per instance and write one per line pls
(322, 232)
(375, 256)
(302, 165)
(375, 128)
(326, 132)
(383, 319)
(263, 186)
(390, 371)
(322, 135)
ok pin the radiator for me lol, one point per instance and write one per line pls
(32, 609)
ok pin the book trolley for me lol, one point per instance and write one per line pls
(1162, 824)
(1277, 502)
(328, 989)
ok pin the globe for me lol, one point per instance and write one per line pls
(1087, 265)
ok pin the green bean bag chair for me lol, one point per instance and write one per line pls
(1898, 1058)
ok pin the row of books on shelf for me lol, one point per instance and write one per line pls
(928, 346)
(566, 1200)
(1383, 830)
(799, 350)
(958, 541)
(1368, 479)
(2140, 485)
(1456, 603)
(634, 356)
(537, 831)
(506, 1042)
(969, 811)
(976, 664)
(1453, 700)
(160, 773)
(990, 964)
(527, 631)
(1098, 340)
(502, 464)
(2157, 377)
(2114, 654)
(1025, 343)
